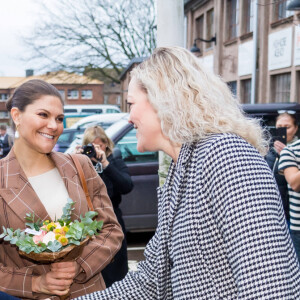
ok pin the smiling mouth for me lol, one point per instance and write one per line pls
(48, 136)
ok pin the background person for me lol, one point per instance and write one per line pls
(117, 179)
(36, 180)
(6, 141)
(289, 166)
(287, 120)
(221, 229)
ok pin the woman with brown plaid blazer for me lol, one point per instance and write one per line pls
(36, 108)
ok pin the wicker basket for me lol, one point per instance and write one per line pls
(69, 253)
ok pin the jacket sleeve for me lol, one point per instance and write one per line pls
(118, 173)
(141, 284)
(16, 281)
(246, 206)
(100, 251)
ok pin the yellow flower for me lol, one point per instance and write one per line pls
(65, 229)
(63, 240)
(51, 226)
(57, 230)
(57, 236)
(46, 222)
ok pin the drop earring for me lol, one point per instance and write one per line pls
(17, 135)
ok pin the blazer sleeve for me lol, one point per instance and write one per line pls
(247, 210)
(16, 281)
(100, 251)
(141, 284)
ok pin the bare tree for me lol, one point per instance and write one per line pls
(94, 34)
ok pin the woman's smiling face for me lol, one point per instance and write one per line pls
(40, 124)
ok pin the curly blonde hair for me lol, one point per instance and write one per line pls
(91, 133)
(191, 101)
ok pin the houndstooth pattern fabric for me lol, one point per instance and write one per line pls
(221, 231)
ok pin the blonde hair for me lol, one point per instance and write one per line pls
(192, 102)
(91, 133)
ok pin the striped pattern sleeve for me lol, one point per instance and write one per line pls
(287, 160)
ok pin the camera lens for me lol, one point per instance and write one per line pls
(89, 150)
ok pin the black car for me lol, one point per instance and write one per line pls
(139, 207)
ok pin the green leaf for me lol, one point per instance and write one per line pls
(7, 238)
(2, 235)
(54, 246)
(14, 240)
(75, 231)
(9, 231)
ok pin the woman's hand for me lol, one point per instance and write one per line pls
(101, 156)
(279, 146)
(78, 149)
(58, 280)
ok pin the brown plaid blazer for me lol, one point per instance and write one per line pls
(17, 198)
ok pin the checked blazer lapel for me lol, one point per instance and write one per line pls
(169, 197)
(179, 180)
(20, 196)
(17, 192)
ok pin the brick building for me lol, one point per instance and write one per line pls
(273, 52)
(74, 88)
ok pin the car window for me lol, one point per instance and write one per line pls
(128, 144)
(92, 110)
(65, 137)
(111, 110)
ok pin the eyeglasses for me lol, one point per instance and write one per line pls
(290, 112)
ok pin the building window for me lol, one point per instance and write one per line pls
(233, 19)
(106, 99)
(4, 97)
(199, 30)
(279, 10)
(281, 86)
(62, 94)
(73, 94)
(3, 114)
(248, 15)
(118, 102)
(246, 91)
(232, 85)
(86, 94)
(209, 27)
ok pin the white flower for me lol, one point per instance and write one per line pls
(49, 237)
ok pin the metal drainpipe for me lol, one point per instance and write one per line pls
(253, 80)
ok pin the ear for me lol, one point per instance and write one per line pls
(15, 115)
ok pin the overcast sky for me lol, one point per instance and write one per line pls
(17, 17)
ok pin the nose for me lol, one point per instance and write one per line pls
(52, 124)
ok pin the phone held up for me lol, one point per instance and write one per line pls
(278, 134)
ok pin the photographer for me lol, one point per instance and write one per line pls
(113, 171)
(287, 120)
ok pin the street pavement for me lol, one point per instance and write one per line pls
(136, 243)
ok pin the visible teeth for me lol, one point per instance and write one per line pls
(47, 135)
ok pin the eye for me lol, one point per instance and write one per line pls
(60, 119)
(43, 114)
(129, 105)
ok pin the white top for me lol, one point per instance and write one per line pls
(52, 192)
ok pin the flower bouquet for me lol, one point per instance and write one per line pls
(47, 242)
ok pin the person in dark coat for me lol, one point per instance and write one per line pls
(117, 179)
(289, 121)
(6, 141)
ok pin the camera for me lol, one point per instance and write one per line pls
(89, 150)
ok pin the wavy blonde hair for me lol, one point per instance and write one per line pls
(91, 133)
(192, 102)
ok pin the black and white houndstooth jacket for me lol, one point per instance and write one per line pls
(221, 231)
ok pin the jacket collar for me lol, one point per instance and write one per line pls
(17, 191)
